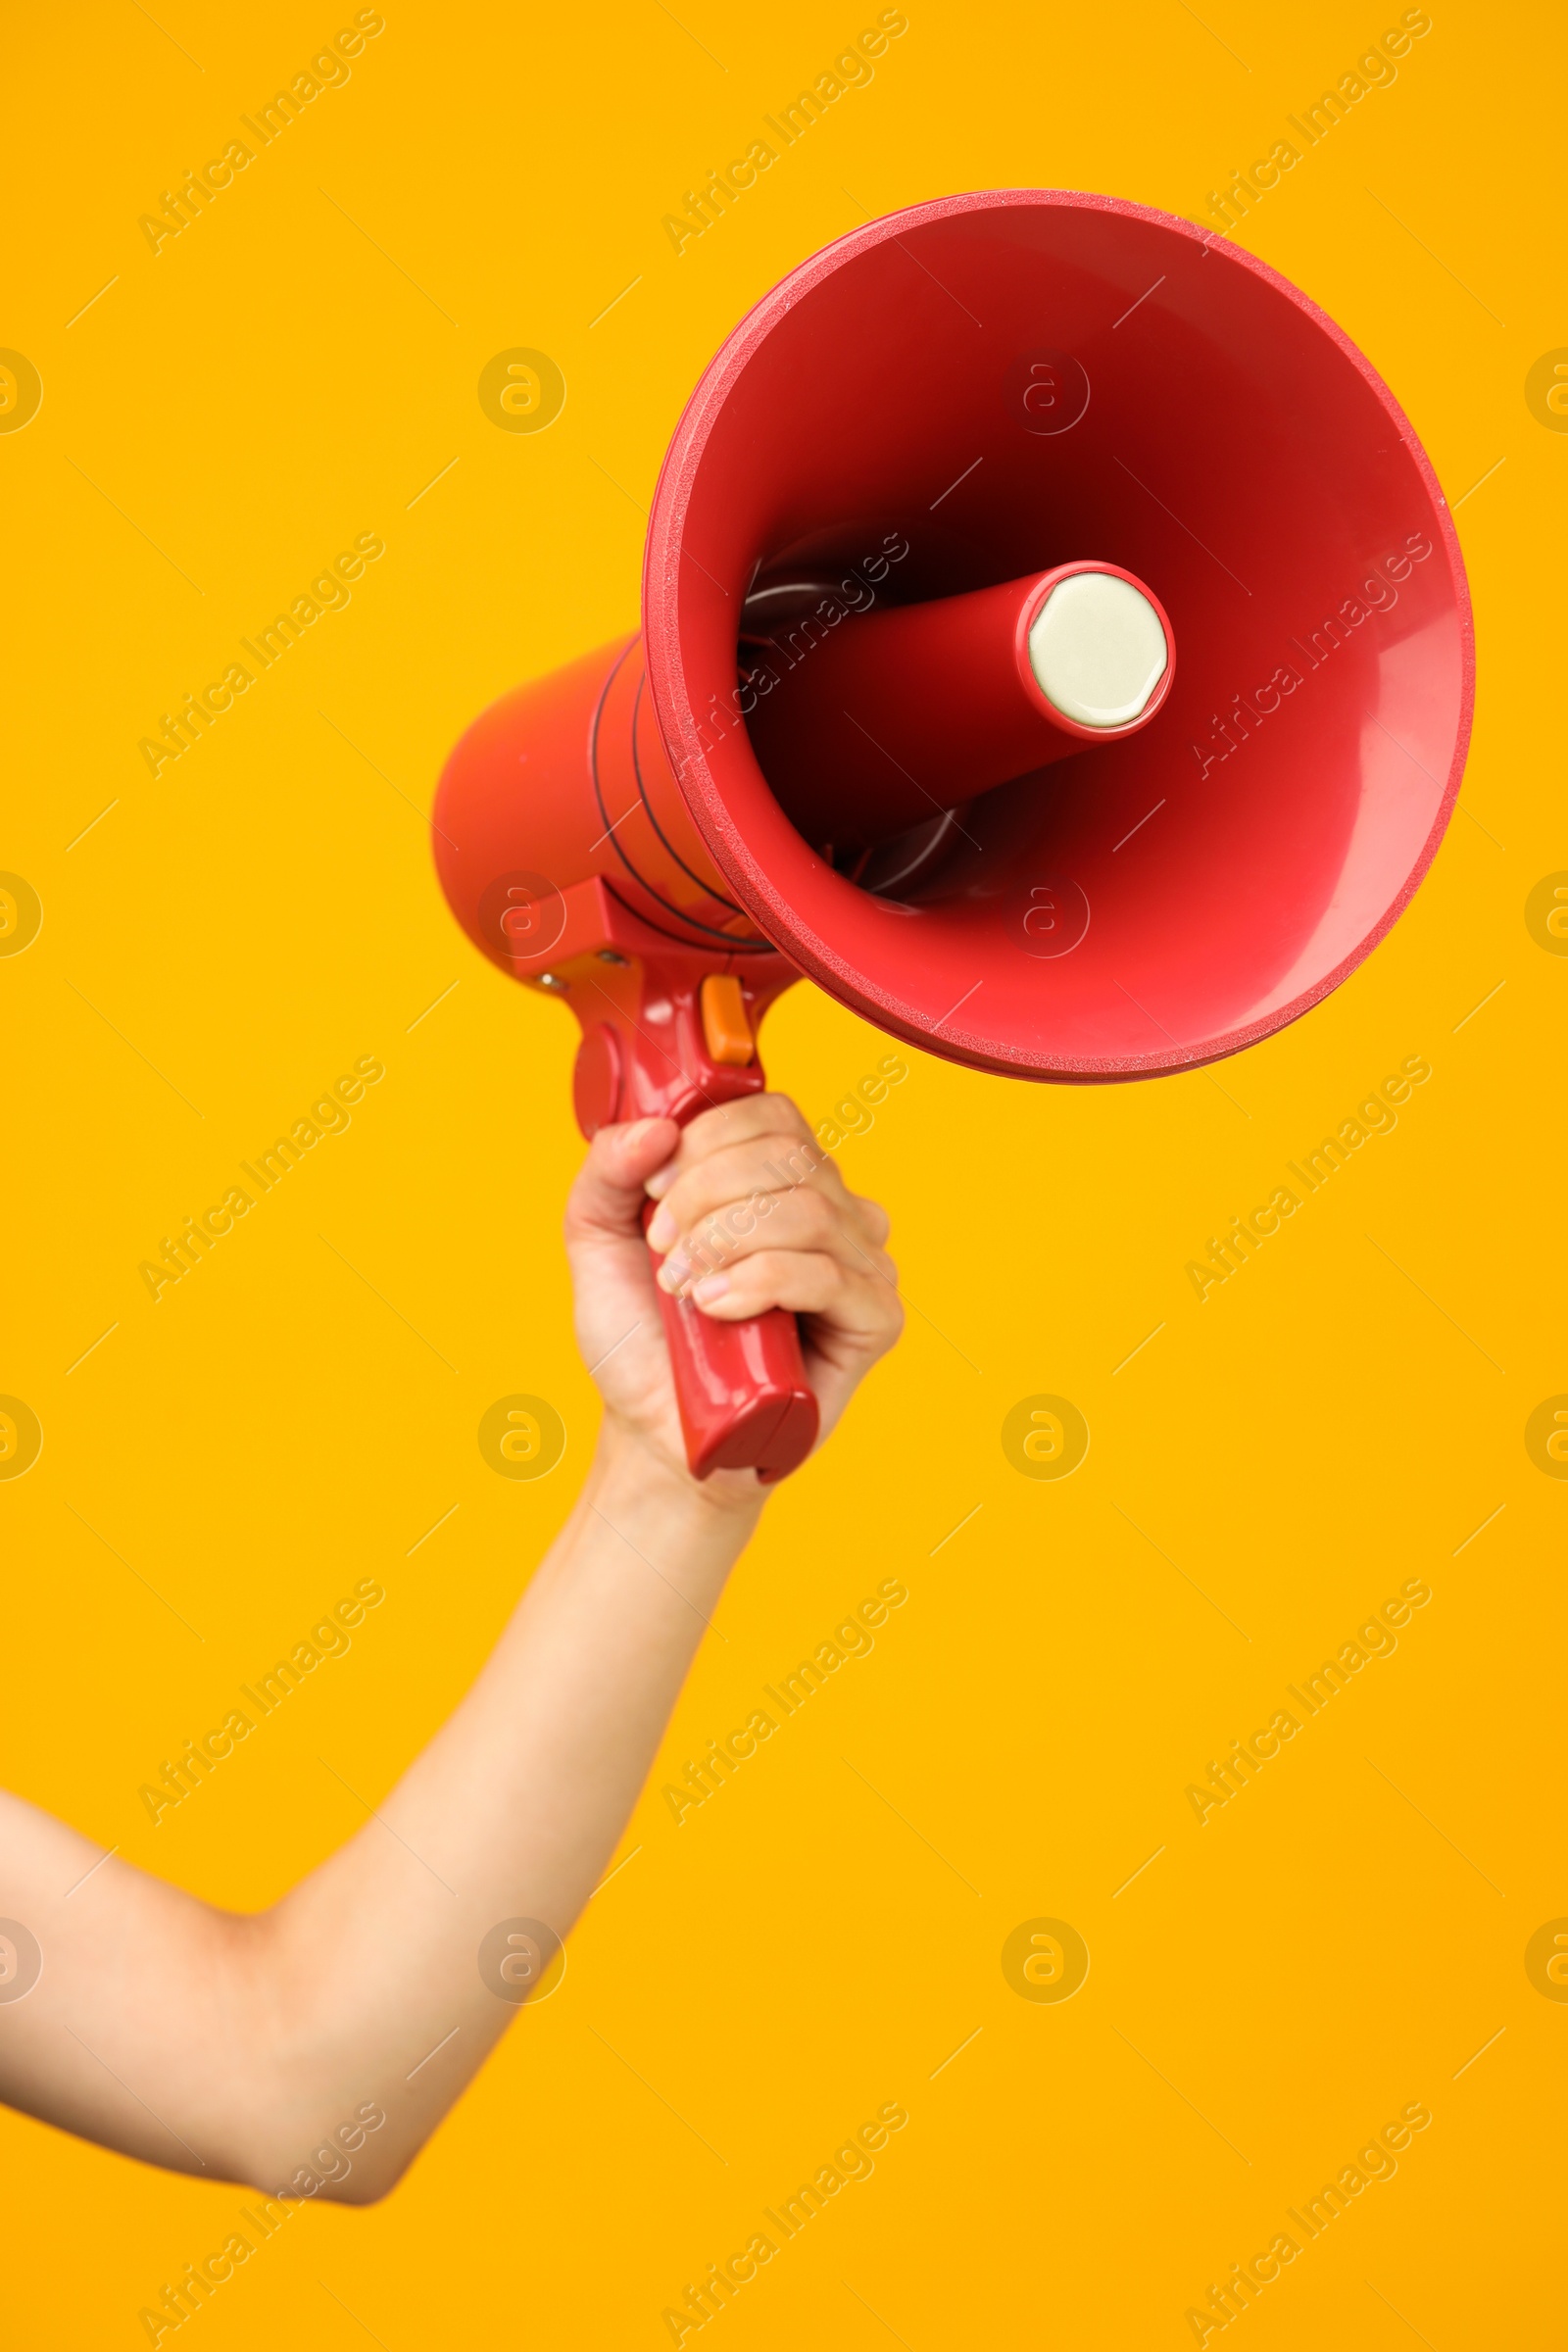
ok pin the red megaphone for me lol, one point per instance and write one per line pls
(906, 714)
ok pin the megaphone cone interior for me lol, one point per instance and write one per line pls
(940, 406)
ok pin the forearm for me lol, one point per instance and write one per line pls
(371, 1963)
(263, 2047)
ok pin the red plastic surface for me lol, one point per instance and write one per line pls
(1224, 442)
(741, 1387)
(906, 711)
(548, 847)
(562, 779)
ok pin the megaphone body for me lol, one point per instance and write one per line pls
(1055, 644)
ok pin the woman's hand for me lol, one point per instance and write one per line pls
(752, 1214)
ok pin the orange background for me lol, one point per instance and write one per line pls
(297, 369)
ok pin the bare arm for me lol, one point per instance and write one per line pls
(286, 2048)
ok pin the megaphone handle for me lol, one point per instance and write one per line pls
(743, 1398)
(745, 1404)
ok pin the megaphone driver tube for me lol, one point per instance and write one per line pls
(917, 709)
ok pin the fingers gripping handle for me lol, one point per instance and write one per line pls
(741, 1387)
(652, 1047)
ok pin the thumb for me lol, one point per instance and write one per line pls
(608, 1198)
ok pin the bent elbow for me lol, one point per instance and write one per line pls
(359, 2188)
(367, 2183)
(357, 2185)
(334, 2177)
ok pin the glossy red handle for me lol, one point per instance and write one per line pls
(744, 1399)
(741, 1387)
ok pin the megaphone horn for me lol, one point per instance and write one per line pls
(964, 782)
